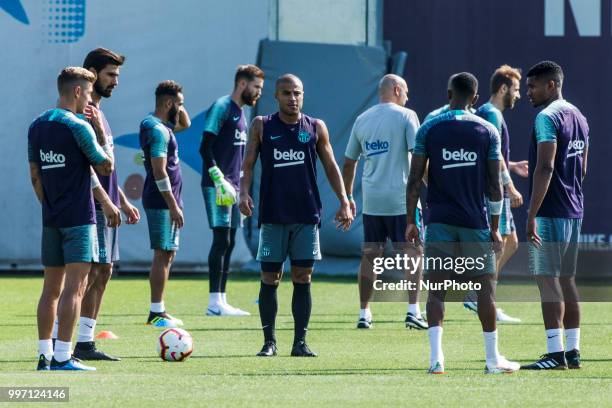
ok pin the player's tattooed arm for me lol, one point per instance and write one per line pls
(344, 216)
(36, 181)
(158, 164)
(184, 120)
(248, 164)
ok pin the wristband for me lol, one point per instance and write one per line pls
(108, 150)
(95, 183)
(349, 197)
(505, 177)
(496, 207)
(164, 184)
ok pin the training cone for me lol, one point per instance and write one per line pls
(106, 334)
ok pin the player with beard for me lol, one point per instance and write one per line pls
(105, 64)
(505, 92)
(161, 195)
(222, 149)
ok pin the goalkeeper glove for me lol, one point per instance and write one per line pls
(226, 193)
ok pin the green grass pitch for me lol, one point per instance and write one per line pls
(382, 367)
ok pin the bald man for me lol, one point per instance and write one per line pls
(384, 136)
(289, 143)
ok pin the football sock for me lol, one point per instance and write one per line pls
(268, 306)
(491, 350)
(223, 282)
(55, 328)
(227, 261)
(301, 306)
(45, 347)
(365, 313)
(572, 339)
(224, 298)
(435, 344)
(63, 350)
(158, 307)
(554, 340)
(216, 257)
(214, 299)
(87, 327)
(414, 309)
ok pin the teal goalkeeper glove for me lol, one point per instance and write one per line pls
(226, 193)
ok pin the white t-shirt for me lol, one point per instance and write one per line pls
(384, 135)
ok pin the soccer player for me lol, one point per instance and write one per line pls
(289, 205)
(462, 152)
(557, 167)
(61, 150)
(384, 135)
(505, 92)
(222, 149)
(161, 195)
(105, 64)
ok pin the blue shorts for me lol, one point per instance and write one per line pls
(443, 241)
(108, 240)
(299, 241)
(218, 215)
(61, 246)
(163, 233)
(380, 228)
(506, 220)
(558, 255)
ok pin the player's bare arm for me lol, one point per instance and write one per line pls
(344, 216)
(348, 175)
(248, 164)
(36, 181)
(418, 168)
(159, 173)
(542, 174)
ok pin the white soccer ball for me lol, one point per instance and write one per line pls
(174, 345)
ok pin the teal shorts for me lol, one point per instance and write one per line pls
(458, 250)
(506, 220)
(163, 233)
(61, 246)
(108, 240)
(558, 255)
(220, 216)
(299, 241)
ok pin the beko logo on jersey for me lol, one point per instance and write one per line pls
(466, 158)
(577, 146)
(54, 160)
(292, 157)
(240, 137)
(376, 147)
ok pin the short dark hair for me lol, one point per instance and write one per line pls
(101, 57)
(288, 78)
(504, 76)
(168, 88)
(464, 84)
(549, 70)
(71, 75)
(248, 72)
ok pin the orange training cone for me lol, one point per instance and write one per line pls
(107, 334)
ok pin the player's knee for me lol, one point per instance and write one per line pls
(511, 245)
(105, 271)
(271, 278)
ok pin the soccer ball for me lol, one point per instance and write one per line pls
(174, 345)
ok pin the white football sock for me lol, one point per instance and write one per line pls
(435, 344)
(214, 299)
(414, 309)
(554, 340)
(224, 298)
(63, 350)
(55, 328)
(45, 347)
(87, 327)
(572, 339)
(158, 307)
(491, 350)
(365, 313)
